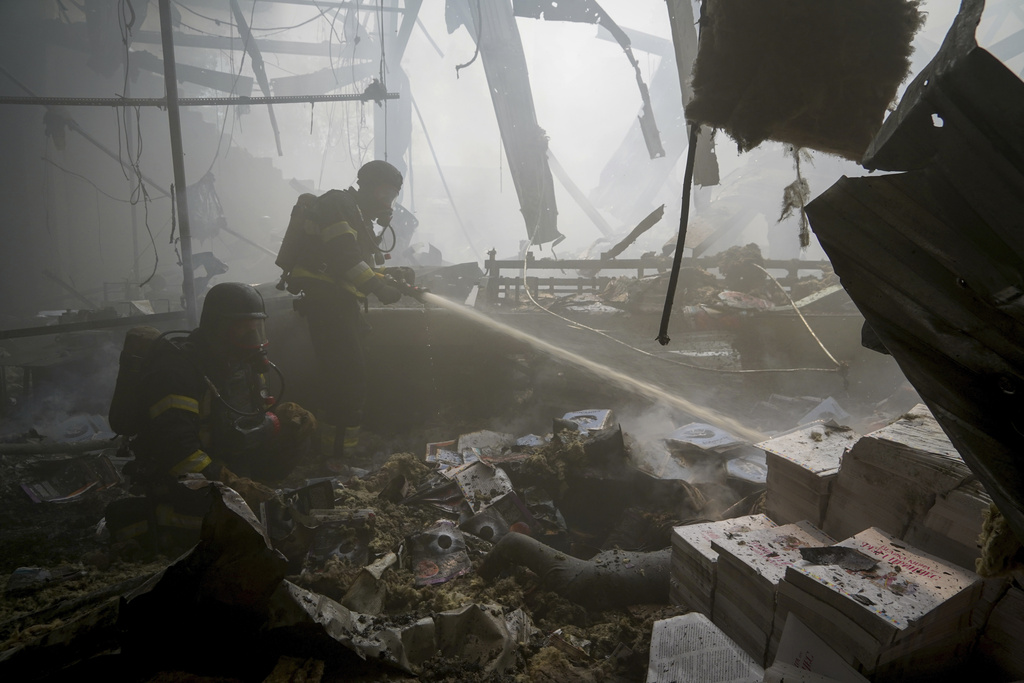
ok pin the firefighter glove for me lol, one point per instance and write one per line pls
(386, 293)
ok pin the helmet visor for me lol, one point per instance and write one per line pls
(248, 334)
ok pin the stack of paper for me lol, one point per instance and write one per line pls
(692, 573)
(801, 468)
(906, 616)
(1000, 644)
(801, 652)
(950, 529)
(891, 477)
(750, 567)
(691, 648)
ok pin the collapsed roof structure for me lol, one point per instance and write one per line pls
(929, 256)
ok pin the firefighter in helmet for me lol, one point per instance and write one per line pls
(332, 256)
(208, 414)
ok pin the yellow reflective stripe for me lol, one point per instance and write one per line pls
(336, 230)
(360, 273)
(196, 462)
(351, 437)
(305, 272)
(185, 403)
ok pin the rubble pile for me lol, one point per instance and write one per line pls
(382, 571)
(726, 284)
(569, 555)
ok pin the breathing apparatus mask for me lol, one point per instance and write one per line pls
(380, 182)
(246, 339)
(235, 318)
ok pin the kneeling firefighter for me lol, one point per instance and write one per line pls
(199, 406)
(332, 256)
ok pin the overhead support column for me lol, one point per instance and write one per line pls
(493, 26)
(178, 158)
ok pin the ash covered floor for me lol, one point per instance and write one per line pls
(392, 573)
(581, 491)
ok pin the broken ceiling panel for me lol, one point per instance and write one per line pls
(813, 74)
(934, 257)
(588, 11)
(493, 26)
(629, 183)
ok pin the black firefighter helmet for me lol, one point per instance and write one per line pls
(377, 172)
(233, 313)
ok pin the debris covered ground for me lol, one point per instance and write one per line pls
(399, 546)
(377, 511)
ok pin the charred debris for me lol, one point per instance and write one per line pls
(516, 518)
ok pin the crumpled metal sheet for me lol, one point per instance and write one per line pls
(933, 256)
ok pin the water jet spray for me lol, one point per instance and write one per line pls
(618, 378)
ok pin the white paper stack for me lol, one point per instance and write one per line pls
(1001, 641)
(950, 529)
(801, 468)
(891, 477)
(750, 567)
(690, 648)
(693, 569)
(803, 651)
(909, 615)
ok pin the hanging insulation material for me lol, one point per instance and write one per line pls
(813, 74)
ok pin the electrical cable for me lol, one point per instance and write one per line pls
(201, 31)
(88, 180)
(227, 108)
(227, 22)
(138, 188)
(444, 183)
(840, 367)
(334, 33)
(330, 113)
(684, 218)
(797, 310)
(394, 239)
(362, 149)
(479, 34)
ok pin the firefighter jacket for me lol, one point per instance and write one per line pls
(201, 411)
(339, 246)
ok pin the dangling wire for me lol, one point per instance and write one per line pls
(479, 33)
(126, 22)
(684, 217)
(174, 223)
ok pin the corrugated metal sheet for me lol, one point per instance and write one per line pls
(934, 257)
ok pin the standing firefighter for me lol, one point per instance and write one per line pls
(199, 407)
(331, 255)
